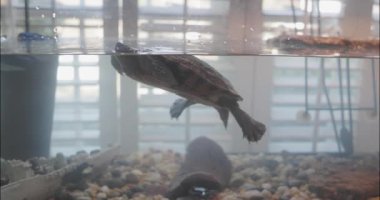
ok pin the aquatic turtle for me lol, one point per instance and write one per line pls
(191, 78)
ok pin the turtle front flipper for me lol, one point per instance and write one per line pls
(179, 106)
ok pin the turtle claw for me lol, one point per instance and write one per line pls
(256, 132)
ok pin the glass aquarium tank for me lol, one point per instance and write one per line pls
(189, 99)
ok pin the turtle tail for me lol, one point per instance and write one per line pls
(252, 129)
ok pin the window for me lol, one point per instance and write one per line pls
(289, 130)
(76, 116)
(171, 22)
(76, 24)
(375, 19)
(278, 17)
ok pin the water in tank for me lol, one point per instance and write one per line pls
(189, 99)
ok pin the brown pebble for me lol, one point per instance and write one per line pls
(156, 189)
(131, 178)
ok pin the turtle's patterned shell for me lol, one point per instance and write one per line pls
(191, 78)
(197, 77)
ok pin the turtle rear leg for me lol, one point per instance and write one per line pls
(252, 129)
(178, 106)
(223, 113)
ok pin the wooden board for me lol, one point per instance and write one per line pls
(42, 187)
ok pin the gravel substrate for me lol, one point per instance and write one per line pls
(255, 177)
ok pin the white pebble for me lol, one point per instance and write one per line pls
(294, 190)
(279, 159)
(266, 186)
(303, 195)
(247, 172)
(77, 194)
(105, 189)
(101, 195)
(137, 172)
(282, 189)
(252, 194)
(266, 194)
(83, 198)
(297, 198)
(310, 171)
(153, 177)
(157, 157)
(286, 194)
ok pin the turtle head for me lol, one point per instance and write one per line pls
(125, 64)
(122, 48)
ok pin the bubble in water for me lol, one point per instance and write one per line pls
(245, 40)
(224, 42)
(243, 26)
(53, 15)
(55, 30)
(3, 38)
(42, 16)
(37, 7)
(251, 29)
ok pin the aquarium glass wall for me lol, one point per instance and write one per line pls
(276, 94)
(95, 107)
(89, 100)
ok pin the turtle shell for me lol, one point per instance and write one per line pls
(196, 77)
(185, 75)
(189, 77)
